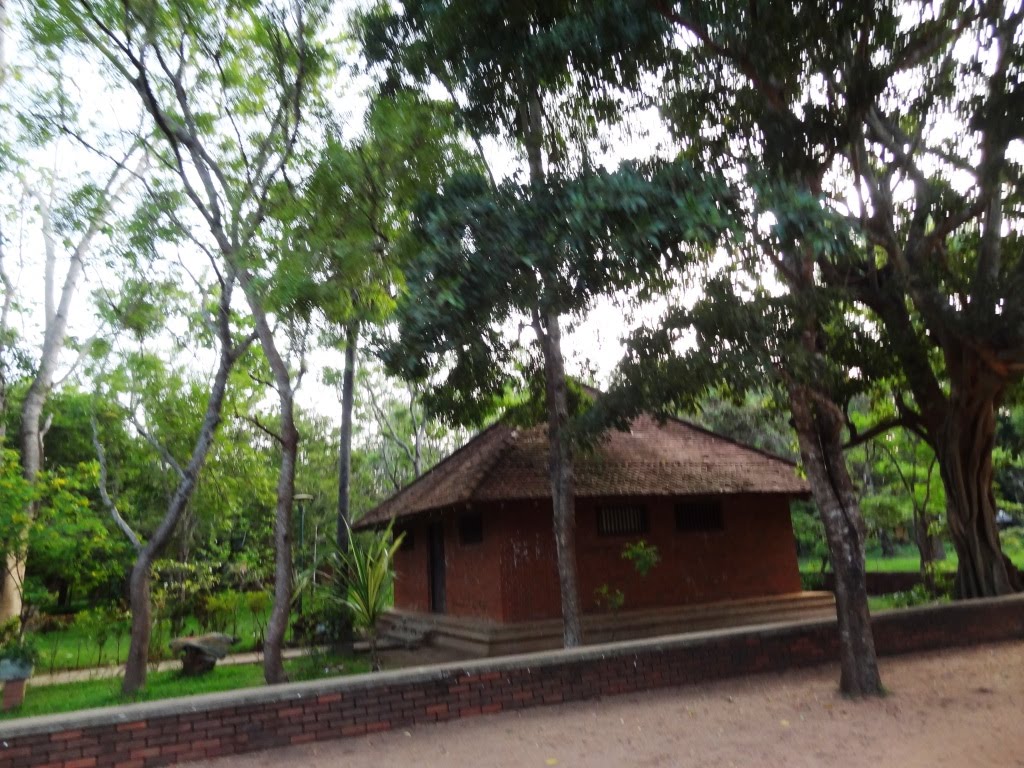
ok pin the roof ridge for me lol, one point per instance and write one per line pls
(596, 393)
(734, 441)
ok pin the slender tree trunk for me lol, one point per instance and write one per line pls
(31, 441)
(563, 499)
(549, 335)
(886, 542)
(819, 430)
(56, 312)
(964, 450)
(345, 446)
(277, 626)
(925, 549)
(188, 476)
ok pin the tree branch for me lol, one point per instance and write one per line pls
(158, 446)
(101, 457)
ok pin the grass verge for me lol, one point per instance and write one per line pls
(68, 697)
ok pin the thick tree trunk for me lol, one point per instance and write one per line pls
(960, 428)
(345, 442)
(14, 578)
(562, 489)
(142, 625)
(819, 430)
(964, 450)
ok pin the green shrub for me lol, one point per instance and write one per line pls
(13, 646)
(258, 604)
(184, 587)
(220, 612)
(609, 599)
(644, 556)
(812, 581)
(21, 651)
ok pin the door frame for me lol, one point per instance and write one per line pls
(436, 576)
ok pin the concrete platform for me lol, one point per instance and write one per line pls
(482, 638)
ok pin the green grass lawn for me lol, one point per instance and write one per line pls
(67, 697)
(906, 560)
(72, 648)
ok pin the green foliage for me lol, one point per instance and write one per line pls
(101, 623)
(585, 57)
(809, 533)
(15, 495)
(14, 646)
(919, 595)
(221, 611)
(341, 258)
(489, 253)
(258, 604)
(644, 556)
(395, 439)
(1012, 540)
(181, 588)
(576, 239)
(753, 418)
(527, 405)
(368, 569)
(606, 598)
(10, 632)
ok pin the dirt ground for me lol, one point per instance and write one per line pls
(953, 708)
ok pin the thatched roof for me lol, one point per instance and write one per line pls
(674, 458)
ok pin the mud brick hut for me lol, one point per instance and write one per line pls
(478, 570)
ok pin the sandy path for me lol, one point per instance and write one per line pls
(953, 708)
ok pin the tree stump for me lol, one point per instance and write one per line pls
(200, 654)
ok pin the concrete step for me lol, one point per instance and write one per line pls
(488, 638)
(403, 633)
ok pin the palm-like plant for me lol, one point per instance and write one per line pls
(367, 567)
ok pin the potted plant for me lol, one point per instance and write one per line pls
(17, 659)
(17, 655)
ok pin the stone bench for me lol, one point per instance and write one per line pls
(201, 653)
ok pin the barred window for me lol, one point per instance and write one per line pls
(622, 520)
(471, 528)
(699, 516)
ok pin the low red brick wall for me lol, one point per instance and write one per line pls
(160, 733)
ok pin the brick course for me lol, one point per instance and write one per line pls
(161, 733)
